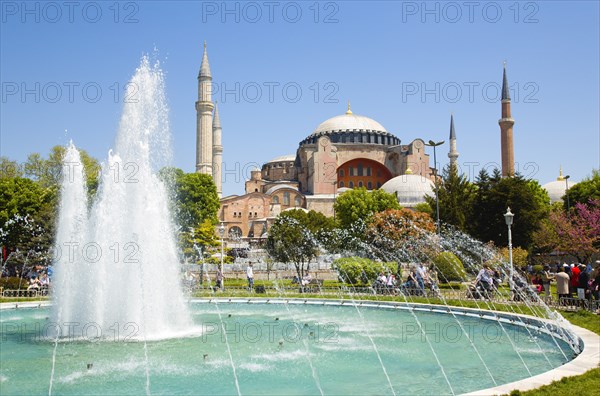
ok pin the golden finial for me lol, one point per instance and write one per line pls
(408, 171)
(560, 175)
(349, 111)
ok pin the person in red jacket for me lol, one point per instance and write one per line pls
(574, 279)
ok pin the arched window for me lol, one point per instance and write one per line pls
(275, 199)
(369, 186)
(350, 171)
(350, 184)
(360, 184)
(341, 173)
(297, 201)
(378, 185)
(286, 198)
(360, 170)
(341, 184)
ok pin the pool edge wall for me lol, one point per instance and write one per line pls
(588, 359)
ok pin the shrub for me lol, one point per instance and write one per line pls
(357, 270)
(538, 269)
(12, 283)
(449, 267)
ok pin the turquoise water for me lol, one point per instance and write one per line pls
(273, 348)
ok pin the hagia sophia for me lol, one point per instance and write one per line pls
(343, 152)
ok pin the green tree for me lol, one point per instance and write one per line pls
(584, 191)
(526, 199)
(48, 172)
(359, 205)
(194, 197)
(456, 196)
(424, 207)
(289, 241)
(9, 168)
(27, 217)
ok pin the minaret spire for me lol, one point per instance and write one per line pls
(348, 111)
(204, 66)
(505, 88)
(506, 130)
(217, 168)
(452, 154)
(560, 175)
(204, 109)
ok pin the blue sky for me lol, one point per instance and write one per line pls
(408, 65)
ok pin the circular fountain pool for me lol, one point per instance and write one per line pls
(281, 347)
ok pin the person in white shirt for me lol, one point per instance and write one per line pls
(250, 276)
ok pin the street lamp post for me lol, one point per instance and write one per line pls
(437, 200)
(508, 216)
(567, 192)
(222, 234)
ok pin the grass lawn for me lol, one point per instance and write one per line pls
(580, 385)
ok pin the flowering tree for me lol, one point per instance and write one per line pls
(576, 233)
(394, 234)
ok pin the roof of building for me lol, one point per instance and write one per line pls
(280, 187)
(557, 188)
(204, 66)
(283, 158)
(409, 189)
(349, 121)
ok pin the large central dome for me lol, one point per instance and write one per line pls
(353, 129)
(350, 122)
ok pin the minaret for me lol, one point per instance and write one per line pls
(506, 131)
(217, 170)
(453, 154)
(204, 108)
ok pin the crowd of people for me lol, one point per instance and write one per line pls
(418, 282)
(578, 281)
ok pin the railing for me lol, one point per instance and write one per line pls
(498, 296)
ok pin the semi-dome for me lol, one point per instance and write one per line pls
(280, 187)
(350, 122)
(409, 189)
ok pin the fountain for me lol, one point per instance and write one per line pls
(118, 268)
(119, 322)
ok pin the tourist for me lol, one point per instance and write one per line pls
(219, 278)
(421, 278)
(547, 277)
(411, 281)
(485, 278)
(34, 283)
(537, 281)
(574, 279)
(381, 279)
(562, 284)
(595, 286)
(306, 279)
(583, 287)
(250, 276)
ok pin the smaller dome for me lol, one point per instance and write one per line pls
(283, 158)
(556, 189)
(410, 189)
